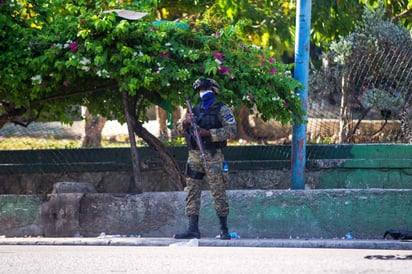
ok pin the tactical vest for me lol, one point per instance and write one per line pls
(207, 120)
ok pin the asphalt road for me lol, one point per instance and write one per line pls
(199, 259)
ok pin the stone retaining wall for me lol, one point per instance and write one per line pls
(327, 214)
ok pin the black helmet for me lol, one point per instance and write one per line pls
(205, 83)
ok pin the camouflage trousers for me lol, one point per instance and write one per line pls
(196, 173)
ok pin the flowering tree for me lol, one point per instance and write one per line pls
(53, 58)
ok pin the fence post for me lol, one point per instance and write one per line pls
(302, 46)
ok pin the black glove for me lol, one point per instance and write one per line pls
(187, 122)
(204, 132)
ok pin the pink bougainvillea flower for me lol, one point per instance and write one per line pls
(241, 44)
(65, 84)
(73, 46)
(286, 104)
(250, 96)
(194, 27)
(224, 70)
(216, 34)
(164, 54)
(271, 60)
(218, 55)
(273, 70)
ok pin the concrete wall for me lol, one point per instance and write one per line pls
(365, 190)
(327, 214)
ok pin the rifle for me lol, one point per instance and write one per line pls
(195, 131)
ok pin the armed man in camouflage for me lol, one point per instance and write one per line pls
(216, 125)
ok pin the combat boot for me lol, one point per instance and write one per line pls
(224, 231)
(193, 230)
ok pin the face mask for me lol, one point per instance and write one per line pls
(203, 93)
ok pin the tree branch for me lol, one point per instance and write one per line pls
(68, 95)
(404, 13)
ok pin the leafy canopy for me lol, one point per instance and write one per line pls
(57, 54)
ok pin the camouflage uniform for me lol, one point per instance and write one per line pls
(216, 124)
(214, 174)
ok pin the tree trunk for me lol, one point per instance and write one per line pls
(343, 123)
(171, 167)
(93, 130)
(162, 117)
(130, 114)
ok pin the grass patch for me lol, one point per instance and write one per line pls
(27, 143)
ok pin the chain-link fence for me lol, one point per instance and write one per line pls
(368, 102)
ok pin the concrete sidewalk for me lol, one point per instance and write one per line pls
(212, 242)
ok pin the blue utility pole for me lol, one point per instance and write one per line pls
(302, 46)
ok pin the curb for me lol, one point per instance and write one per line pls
(210, 242)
